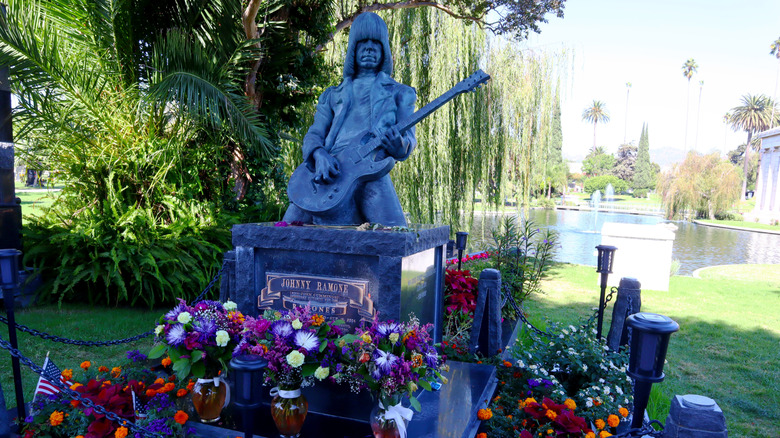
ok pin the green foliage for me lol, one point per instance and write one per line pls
(625, 162)
(547, 204)
(601, 183)
(523, 254)
(598, 162)
(639, 193)
(644, 172)
(728, 216)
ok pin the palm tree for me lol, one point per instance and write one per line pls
(595, 113)
(754, 115)
(625, 125)
(775, 50)
(689, 68)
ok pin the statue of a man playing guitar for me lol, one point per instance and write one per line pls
(366, 105)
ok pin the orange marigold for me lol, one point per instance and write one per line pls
(623, 412)
(67, 374)
(317, 320)
(151, 392)
(190, 385)
(103, 369)
(116, 371)
(160, 381)
(75, 385)
(530, 400)
(613, 420)
(168, 387)
(181, 393)
(590, 435)
(485, 414)
(482, 435)
(549, 431)
(599, 424)
(166, 361)
(604, 434)
(181, 417)
(85, 365)
(551, 414)
(121, 432)
(56, 418)
(75, 403)
(507, 364)
(570, 404)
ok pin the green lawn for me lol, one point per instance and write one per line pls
(743, 224)
(34, 203)
(728, 346)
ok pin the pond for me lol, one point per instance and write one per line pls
(695, 246)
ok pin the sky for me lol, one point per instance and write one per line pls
(646, 43)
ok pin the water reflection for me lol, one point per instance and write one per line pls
(695, 246)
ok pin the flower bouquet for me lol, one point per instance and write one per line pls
(200, 340)
(297, 345)
(392, 360)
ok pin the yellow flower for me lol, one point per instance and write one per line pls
(393, 337)
(599, 424)
(590, 435)
(116, 371)
(317, 320)
(530, 400)
(297, 324)
(75, 385)
(366, 337)
(159, 329)
(295, 358)
(321, 373)
(551, 414)
(570, 404)
(67, 374)
(613, 420)
(412, 386)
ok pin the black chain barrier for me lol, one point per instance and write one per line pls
(54, 338)
(607, 299)
(73, 395)
(647, 429)
(506, 296)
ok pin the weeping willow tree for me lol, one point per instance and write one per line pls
(491, 144)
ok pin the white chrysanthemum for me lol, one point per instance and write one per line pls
(561, 336)
(295, 358)
(585, 367)
(222, 338)
(307, 340)
(607, 390)
(520, 363)
(159, 329)
(184, 317)
(589, 402)
(297, 324)
(565, 332)
(619, 390)
(393, 337)
(321, 373)
(230, 306)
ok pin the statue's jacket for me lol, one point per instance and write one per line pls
(391, 102)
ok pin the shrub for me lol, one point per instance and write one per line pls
(728, 216)
(547, 204)
(601, 182)
(640, 193)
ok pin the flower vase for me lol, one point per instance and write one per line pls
(288, 409)
(209, 397)
(390, 423)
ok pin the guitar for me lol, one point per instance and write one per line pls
(363, 162)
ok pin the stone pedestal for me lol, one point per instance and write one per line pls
(340, 272)
(695, 416)
(644, 253)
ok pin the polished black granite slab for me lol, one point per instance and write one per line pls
(449, 412)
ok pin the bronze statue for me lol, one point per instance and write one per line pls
(354, 141)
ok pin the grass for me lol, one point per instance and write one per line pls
(727, 346)
(743, 224)
(80, 322)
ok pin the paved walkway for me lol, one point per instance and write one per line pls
(730, 227)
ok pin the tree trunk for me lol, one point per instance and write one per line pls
(549, 189)
(745, 167)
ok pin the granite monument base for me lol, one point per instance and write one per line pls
(450, 412)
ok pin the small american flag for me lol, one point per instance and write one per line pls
(140, 412)
(50, 374)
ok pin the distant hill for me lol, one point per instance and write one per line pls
(665, 157)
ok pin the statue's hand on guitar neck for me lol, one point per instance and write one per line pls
(326, 167)
(394, 143)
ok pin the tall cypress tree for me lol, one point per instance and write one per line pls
(644, 174)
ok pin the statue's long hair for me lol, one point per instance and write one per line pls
(368, 25)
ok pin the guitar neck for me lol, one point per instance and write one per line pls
(426, 110)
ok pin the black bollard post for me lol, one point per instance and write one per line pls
(604, 267)
(5, 422)
(628, 302)
(462, 237)
(9, 274)
(249, 380)
(486, 328)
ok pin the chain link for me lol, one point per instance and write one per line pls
(73, 395)
(54, 338)
(506, 296)
(607, 299)
(644, 431)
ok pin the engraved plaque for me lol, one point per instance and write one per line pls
(334, 298)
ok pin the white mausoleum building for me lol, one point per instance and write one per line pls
(768, 184)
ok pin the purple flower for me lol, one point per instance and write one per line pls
(533, 383)
(307, 340)
(546, 383)
(281, 329)
(384, 360)
(174, 313)
(431, 358)
(136, 356)
(176, 336)
(206, 327)
(280, 224)
(384, 329)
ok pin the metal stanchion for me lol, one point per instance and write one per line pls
(605, 259)
(9, 276)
